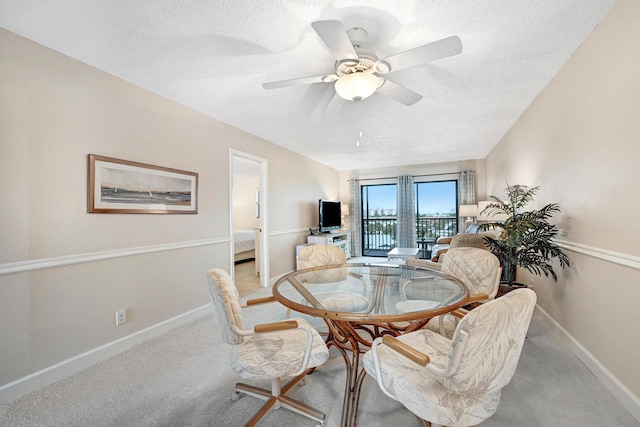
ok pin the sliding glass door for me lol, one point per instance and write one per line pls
(379, 221)
(436, 215)
(436, 212)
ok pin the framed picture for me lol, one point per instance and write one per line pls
(122, 186)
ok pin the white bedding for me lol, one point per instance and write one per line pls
(243, 241)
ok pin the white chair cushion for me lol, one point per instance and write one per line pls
(449, 324)
(279, 354)
(315, 255)
(425, 394)
(495, 335)
(497, 330)
(335, 300)
(478, 269)
(345, 301)
(224, 294)
(415, 305)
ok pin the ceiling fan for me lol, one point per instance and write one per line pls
(359, 74)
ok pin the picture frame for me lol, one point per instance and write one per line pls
(123, 186)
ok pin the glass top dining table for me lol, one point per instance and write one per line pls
(360, 302)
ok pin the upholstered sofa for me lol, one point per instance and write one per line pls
(461, 240)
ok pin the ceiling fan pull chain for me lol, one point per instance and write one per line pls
(359, 124)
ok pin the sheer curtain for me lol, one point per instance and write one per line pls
(468, 187)
(355, 218)
(406, 213)
(467, 192)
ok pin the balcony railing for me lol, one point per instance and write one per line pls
(379, 233)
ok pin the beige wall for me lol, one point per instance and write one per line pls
(580, 141)
(244, 202)
(54, 111)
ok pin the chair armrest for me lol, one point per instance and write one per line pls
(459, 313)
(443, 240)
(257, 301)
(361, 278)
(275, 326)
(417, 357)
(406, 350)
(440, 255)
(281, 326)
(356, 275)
(424, 264)
(477, 297)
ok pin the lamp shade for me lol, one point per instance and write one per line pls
(468, 210)
(345, 209)
(356, 86)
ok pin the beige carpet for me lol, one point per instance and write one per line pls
(183, 378)
(245, 278)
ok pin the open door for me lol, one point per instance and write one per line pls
(248, 214)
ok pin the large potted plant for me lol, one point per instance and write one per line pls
(526, 238)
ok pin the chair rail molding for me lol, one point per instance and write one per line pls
(43, 263)
(291, 231)
(602, 254)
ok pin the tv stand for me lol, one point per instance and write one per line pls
(341, 239)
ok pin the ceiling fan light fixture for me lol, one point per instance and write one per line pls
(357, 86)
(382, 67)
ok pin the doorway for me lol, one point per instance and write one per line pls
(249, 255)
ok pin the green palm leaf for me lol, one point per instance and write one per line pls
(526, 239)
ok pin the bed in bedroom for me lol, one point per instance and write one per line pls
(244, 245)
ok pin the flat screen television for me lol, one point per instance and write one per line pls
(330, 215)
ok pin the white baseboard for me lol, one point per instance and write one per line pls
(630, 401)
(67, 367)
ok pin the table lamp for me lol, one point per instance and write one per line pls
(468, 211)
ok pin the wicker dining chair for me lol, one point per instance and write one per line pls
(478, 269)
(455, 382)
(349, 297)
(269, 351)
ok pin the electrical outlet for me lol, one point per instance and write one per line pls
(121, 317)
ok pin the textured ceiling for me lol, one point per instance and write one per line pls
(213, 56)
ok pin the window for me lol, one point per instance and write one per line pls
(436, 215)
(379, 220)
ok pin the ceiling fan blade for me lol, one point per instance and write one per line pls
(399, 93)
(300, 81)
(422, 54)
(336, 39)
(333, 106)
